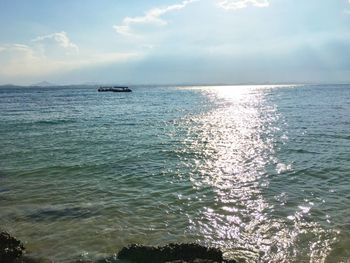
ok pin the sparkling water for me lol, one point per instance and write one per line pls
(262, 172)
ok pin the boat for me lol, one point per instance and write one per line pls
(114, 89)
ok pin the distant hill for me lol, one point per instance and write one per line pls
(44, 84)
(8, 85)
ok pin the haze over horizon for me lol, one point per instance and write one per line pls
(174, 41)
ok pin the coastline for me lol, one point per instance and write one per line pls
(12, 250)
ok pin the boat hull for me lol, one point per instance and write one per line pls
(114, 89)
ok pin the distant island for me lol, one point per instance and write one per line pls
(44, 84)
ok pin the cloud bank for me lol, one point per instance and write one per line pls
(51, 54)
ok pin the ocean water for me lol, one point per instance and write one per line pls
(262, 172)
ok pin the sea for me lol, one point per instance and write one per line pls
(261, 172)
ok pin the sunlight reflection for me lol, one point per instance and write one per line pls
(234, 143)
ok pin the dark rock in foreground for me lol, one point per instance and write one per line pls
(11, 249)
(178, 253)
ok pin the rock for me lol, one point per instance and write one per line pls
(11, 249)
(172, 253)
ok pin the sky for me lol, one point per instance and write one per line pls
(174, 41)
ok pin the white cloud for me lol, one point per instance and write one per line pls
(60, 38)
(153, 16)
(40, 58)
(18, 58)
(239, 4)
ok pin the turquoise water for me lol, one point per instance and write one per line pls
(260, 171)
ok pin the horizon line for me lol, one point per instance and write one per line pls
(49, 84)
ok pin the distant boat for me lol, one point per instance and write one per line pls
(114, 89)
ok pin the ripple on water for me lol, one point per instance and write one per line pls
(259, 171)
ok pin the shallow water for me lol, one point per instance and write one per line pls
(260, 171)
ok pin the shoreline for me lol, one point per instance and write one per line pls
(12, 250)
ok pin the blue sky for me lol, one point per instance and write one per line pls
(174, 41)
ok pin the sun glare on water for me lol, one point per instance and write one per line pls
(234, 146)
